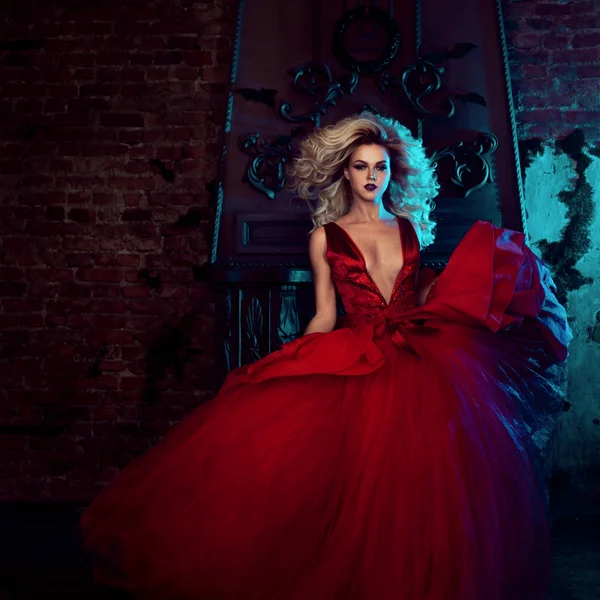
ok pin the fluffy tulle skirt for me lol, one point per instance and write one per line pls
(315, 474)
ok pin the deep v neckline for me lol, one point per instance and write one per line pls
(364, 262)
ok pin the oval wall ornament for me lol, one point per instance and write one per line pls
(381, 18)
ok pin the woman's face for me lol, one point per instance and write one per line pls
(368, 172)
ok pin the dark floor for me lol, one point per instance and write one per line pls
(575, 546)
(576, 558)
(40, 557)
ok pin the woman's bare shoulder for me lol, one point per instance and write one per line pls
(318, 235)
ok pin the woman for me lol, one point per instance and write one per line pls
(389, 457)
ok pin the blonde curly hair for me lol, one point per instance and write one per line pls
(318, 172)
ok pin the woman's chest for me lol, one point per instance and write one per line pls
(381, 249)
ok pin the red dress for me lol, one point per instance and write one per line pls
(390, 459)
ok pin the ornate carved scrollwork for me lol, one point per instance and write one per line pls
(254, 328)
(266, 171)
(470, 167)
(314, 79)
(420, 79)
(369, 108)
(362, 13)
(289, 323)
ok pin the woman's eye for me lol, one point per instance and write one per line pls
(363, 167)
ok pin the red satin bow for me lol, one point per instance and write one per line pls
(396, 325)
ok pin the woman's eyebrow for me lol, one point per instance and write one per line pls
(359, 160)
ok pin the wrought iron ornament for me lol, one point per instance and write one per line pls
(379, 17)
(369, 108)
(254, 329)
(288, 328)
(266, 171)
(422, 78)
(471, 169)
(314, 79)
(419, 80)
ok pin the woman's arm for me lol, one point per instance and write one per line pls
(326, 309)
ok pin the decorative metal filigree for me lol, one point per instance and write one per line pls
(266, 172)
(370, 108)
(314, 79)
(254, 328)
(289, 323)
(419, 80)
(379, 17)
(423, 77)
(470, 167)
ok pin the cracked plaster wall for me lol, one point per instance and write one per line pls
(562, 200)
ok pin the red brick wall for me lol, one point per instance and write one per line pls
(554, 49)
(101, 105)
